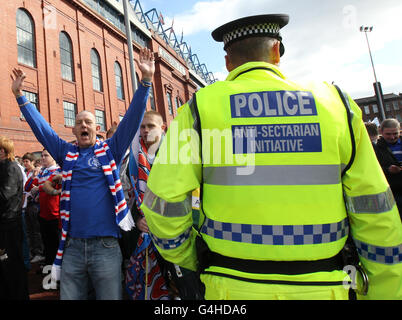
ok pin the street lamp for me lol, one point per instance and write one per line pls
(377, 85)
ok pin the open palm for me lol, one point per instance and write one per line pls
(18, 80)
(147, 64)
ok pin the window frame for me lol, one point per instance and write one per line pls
(170, 101)
(98, 85)
(152, 98)
(20, 32)
(72, 123)
(27, 95)
(178, 103)
(103, 123)
(120, 93)
(366, 110)
(70, 54)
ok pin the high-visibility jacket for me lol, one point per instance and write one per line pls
(284, 176)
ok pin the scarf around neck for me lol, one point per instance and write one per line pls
(144, 167)
(139, 168)
(111, 172)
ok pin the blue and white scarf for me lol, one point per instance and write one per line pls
(123, 215)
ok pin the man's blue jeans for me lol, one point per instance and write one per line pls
(97, 260)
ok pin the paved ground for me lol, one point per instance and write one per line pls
(36, 291)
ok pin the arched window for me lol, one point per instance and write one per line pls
(119, 80)
(96, 70)
(26, 39)
(66, 57)
(100, 119)
(170, 102)
(178, 104)
(151, 98)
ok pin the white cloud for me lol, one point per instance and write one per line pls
(322, 40)
(308, 14)
(221, 75)
(338, 51)
(208, 15)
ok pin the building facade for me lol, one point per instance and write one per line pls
(75, 56)
(392, 107)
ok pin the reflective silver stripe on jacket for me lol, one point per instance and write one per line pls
(277, 234)
(167, 209)
(375, 203)
(274, 175)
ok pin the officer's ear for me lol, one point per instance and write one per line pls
(229, 65)
(275, 54)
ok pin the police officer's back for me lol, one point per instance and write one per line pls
(285, 172)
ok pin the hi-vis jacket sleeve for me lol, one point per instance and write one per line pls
(374, 219)
(167, 203)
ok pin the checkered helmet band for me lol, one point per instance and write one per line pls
(255, 29)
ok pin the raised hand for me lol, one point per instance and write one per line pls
(147, 64)
(18, 81)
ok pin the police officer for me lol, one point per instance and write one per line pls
(286, 172)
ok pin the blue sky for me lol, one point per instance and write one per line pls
(322, 40)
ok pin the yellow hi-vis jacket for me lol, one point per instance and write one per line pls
(272, 187)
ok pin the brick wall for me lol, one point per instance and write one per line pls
(86, 30)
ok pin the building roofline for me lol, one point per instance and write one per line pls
(387, 97)
(149, 23)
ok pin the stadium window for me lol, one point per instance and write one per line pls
(103, 8)
(26, 39)
(32, 98)
(66, 57)
(70, 111)
(396, 107)
(375, 108)
(138, 36)
(100, 119)
(152, 98)
(96, 71)
(119, 80)
(170, 103)
(366, 109)
(178, 103)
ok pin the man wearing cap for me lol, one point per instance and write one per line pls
(286, 173)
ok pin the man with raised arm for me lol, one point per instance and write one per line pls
(92, 200)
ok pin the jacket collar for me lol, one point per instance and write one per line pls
(382, 143)
(251, 66)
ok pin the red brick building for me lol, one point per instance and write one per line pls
(75, 55)
(371, 110)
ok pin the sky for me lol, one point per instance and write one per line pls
(322, 40)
